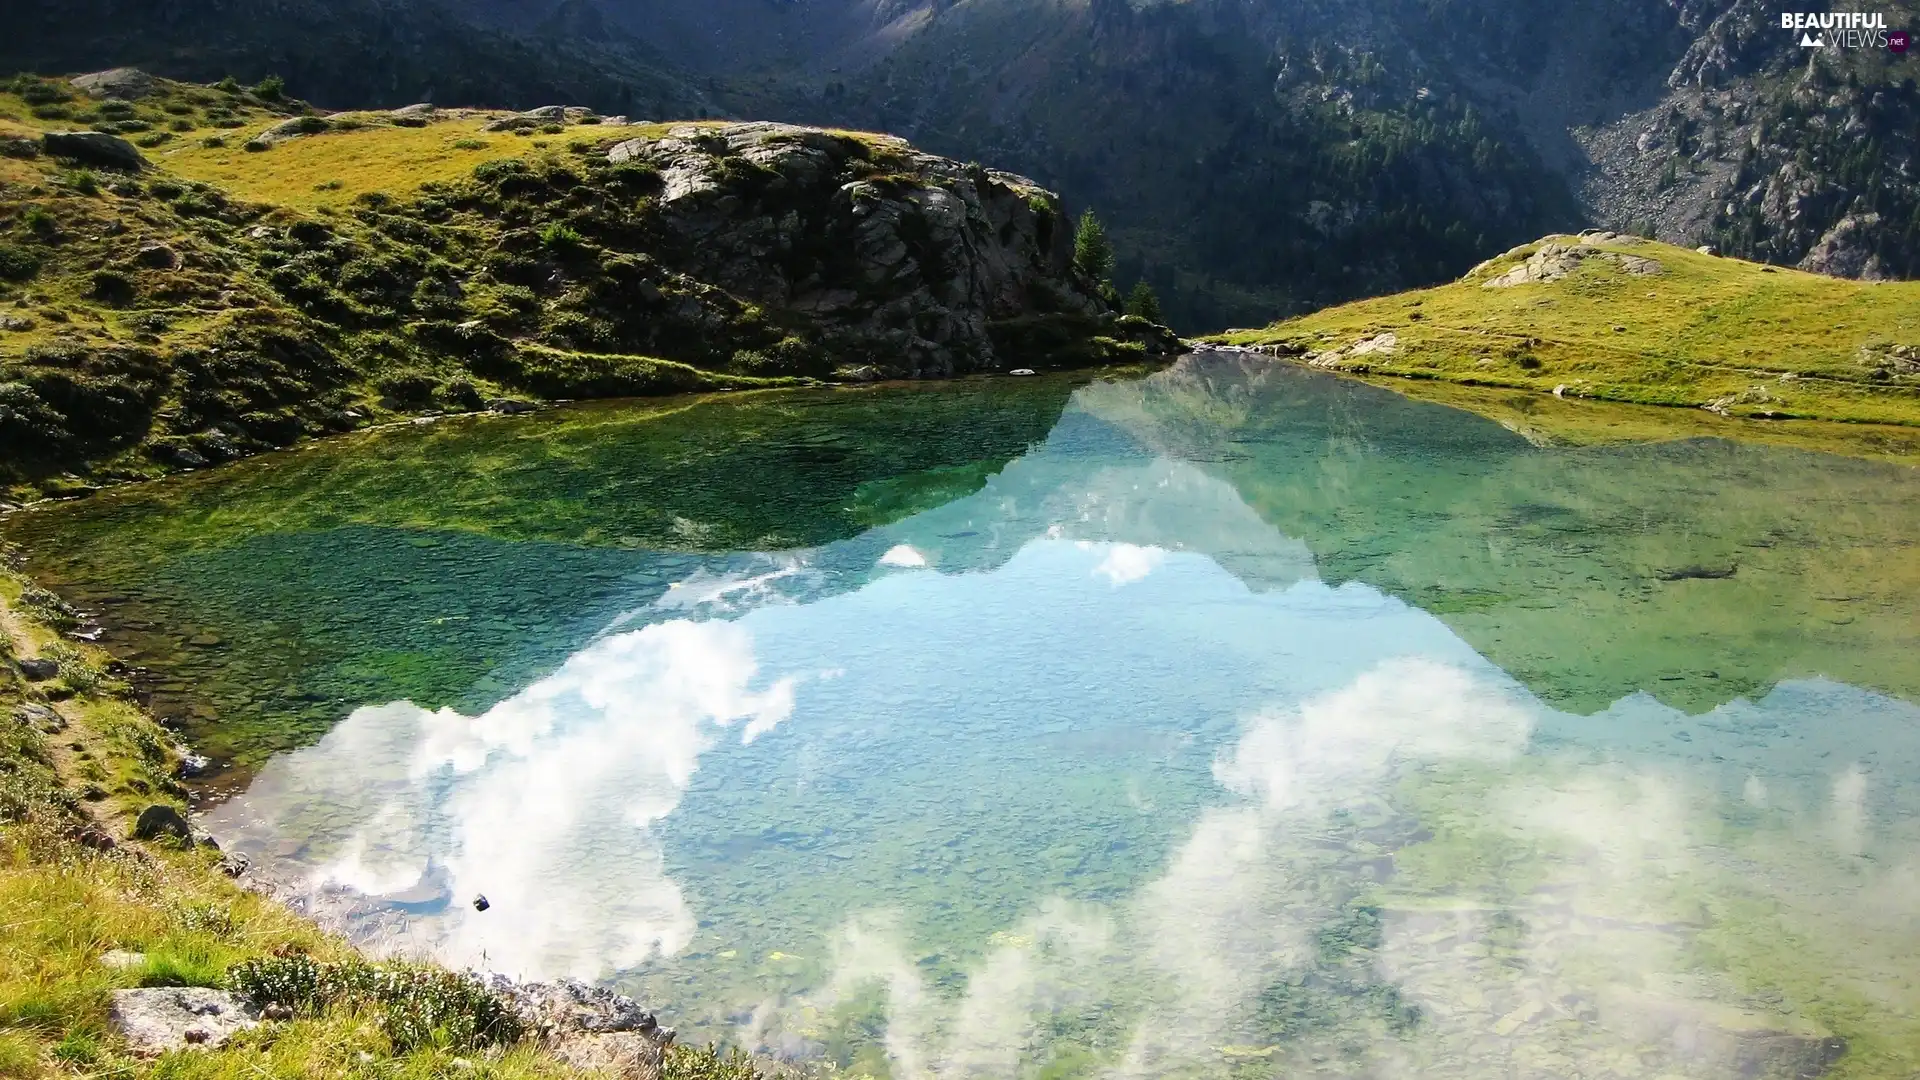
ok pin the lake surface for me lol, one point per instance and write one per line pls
(1233, 720)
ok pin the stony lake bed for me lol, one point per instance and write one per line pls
(1229, 720)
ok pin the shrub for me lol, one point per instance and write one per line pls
(408, 386)
(256, 146)
(18, 263)
(560, 236)
(48, 609)
(82, 181)
(165, 190)
(52, 112)
(469, 144)
(707, 1063)
(182, 125)
(1142, 301)
(41, 222)
(228, 85)
(80, 676)
(419, 1006)
(213, 142)
(38, 91)
(271, 88)
(112, 287)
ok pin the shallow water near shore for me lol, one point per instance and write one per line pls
(1232, 720)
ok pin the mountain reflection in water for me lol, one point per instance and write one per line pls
(1252, 721)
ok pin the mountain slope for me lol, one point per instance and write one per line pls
(293, 274)
(1617, 318)
(355, 53)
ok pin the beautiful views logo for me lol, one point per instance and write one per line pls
(1844, 30)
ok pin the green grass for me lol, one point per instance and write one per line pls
(1748, 340)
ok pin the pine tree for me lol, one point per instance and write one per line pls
(1092, 251)
(1142, 301)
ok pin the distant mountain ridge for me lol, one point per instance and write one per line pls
(1254, 158)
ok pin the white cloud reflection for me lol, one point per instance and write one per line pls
(545, 804)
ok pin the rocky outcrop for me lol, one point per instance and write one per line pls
(1847, 250)
(93, 148)
(905, 262)
(125, 84)
(157, 1019)
(589, 1027)
(1552, 261)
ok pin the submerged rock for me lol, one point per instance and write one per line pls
(157, 1019)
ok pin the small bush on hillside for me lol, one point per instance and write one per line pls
(271, 88)
(559, 236)
(420, 1007)
(256, 146)
(112, 287)
(52, 112)
(40, 222)
(35, 91)
(80, 676)
(707, 1063)
(18, 263)
(469, 144)
(213, 142)
(48, 609)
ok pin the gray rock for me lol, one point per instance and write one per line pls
(93, 148)
(161, 820)
(40, 718)
(422, 109)
(38, 668)
(157, 1019)
(127, 84)
(1847, 250)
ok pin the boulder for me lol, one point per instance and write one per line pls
(40, 718)
(127, 84)
(93, 148)
(161, 820)
(589, 1027)
(38, 668)
(157, 1019)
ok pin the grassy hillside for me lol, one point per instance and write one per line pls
(276, 273)
(1617, 318)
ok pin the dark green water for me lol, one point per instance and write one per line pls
(1228, 721)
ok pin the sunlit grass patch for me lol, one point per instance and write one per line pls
(1741, 338)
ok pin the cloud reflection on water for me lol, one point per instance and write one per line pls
(546, 803)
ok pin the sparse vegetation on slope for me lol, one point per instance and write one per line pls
(1617, 318)
(274, 273)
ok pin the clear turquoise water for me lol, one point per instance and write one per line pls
(1229, 721)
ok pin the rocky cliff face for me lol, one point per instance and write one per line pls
(904, 263)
